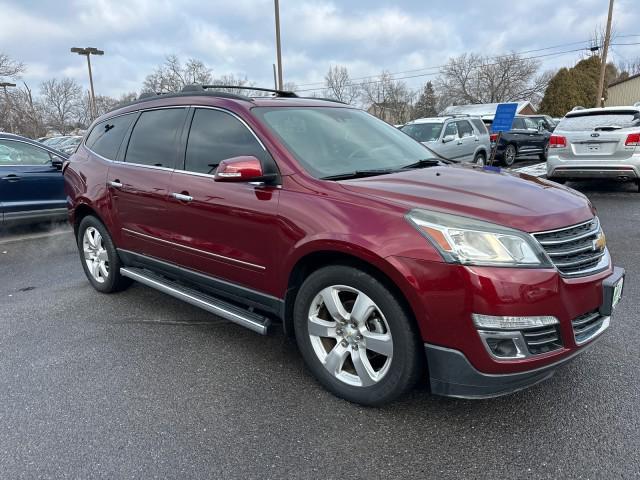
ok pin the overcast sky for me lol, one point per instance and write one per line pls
(237, 36)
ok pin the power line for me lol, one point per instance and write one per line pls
(440, 66)
(435, 73)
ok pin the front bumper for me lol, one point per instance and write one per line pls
(452, 375)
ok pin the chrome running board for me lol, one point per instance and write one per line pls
(245, 318)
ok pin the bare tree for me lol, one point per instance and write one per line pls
(9, 67)
(62, 101)
(28, 116)
(473, 78)
(388, 99)
(628, 68)
(340, 86)
(172, 76)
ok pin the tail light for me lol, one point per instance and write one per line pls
(633, 140)
(493, 137)
(557, 141)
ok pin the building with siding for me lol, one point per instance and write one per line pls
(623, 92)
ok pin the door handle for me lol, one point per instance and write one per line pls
(12, 177)
(459, 142)
(477, 139)
(182, 197)
(115, 184)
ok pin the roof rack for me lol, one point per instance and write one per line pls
(278, 93)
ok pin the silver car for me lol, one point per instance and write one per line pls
(457, 138)
(596, 143)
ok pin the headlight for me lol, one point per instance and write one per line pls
(474, 242)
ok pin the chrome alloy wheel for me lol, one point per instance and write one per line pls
(95, 255)
(350, 335)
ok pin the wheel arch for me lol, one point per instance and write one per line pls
(81, 211)
(374, 266)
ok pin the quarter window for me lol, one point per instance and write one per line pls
(153, 140)
(106, 136)
(19, 153)
(216, 136)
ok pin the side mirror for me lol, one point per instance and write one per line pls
(241, 169)
(57, 162)
(448, 138)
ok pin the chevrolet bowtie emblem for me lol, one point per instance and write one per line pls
(599, 243)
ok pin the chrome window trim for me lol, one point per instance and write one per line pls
(215, 255)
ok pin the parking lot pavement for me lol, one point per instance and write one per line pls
(139, 385)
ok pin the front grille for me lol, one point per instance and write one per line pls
(542, 340)
(587, 326)
(574, 250)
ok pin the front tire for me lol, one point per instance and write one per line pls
(99, 257)
(480, 159)
(356, 337)
(509, 155)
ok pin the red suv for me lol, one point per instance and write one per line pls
(385, 263)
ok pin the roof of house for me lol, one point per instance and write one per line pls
(481, 109)
(618, 82)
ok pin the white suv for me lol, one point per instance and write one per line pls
(457, 138)
(596, 143)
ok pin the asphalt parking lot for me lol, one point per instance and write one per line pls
(139, 385)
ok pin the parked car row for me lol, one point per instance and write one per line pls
(464, 138)
(63, 143)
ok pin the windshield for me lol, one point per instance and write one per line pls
(423, 132)
(331, 141)
(599, 119)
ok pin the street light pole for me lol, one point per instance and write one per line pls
(4, 85)
(603, 67)
(278, 48)
(88, 52)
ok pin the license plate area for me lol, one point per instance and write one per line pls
(613, 288)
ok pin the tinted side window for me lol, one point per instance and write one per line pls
(216, 136)
(106, 137)
(153, 139)
(518, 124)
(530, 124)
(479, 124)
(19, 153)
(464, 129)
(451, 129)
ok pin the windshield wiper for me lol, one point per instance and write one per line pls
(360, 173)
(425, 162)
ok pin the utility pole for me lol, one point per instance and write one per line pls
(278, 49)
(4, 85)
(603, 67)
(88, 52)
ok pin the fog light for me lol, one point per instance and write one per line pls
(512, 323)
(502, 347)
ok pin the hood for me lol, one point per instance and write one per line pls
(515, 200)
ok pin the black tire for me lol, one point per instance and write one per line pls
(509, 155)
(544, 154)
(480, 158)
(113, 281)
(407, 361)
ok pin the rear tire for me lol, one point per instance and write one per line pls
(369, 357)
(99, 257)
(509, 155)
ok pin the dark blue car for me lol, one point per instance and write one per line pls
(31, 185)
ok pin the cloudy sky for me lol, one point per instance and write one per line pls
(237, 36)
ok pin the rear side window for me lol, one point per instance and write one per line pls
(153, 139)
(464, 129)
(216, 136)
(479, 124)
(106, 137)
(616, 119)
(518, 124)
